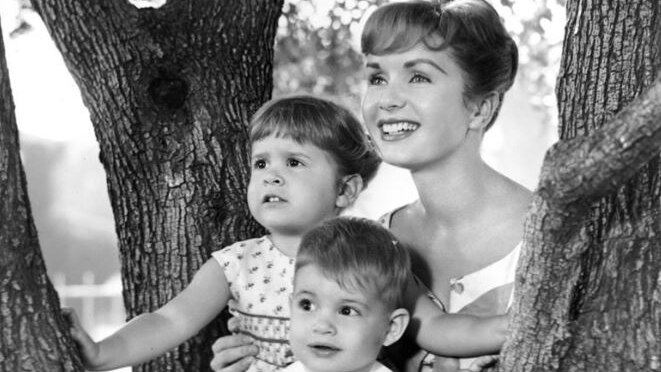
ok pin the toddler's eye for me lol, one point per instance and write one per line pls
(293, 163)
(348, 311)
(418, 78)
(259, 164)
(305, 305)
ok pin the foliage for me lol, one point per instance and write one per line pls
(318, 46)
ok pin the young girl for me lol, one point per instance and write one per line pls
(310, 160)
(436, 77)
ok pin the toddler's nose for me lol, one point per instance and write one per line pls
(323, 326)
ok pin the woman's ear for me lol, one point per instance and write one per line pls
(348, 191)
(484, 110)
(399, 320)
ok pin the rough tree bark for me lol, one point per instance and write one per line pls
(588, 290)
(34, 336)
(170, 91)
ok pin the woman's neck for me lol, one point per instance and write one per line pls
(452, 192)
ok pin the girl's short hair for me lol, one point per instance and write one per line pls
(358, 254)
(471, 29)
(327, 125)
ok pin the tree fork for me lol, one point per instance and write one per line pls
(170, 92)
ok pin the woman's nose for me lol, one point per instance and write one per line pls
(391, 99)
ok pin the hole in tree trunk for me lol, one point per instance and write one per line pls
(168, 91)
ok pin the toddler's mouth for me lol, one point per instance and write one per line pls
(324, 350)
(324, 347)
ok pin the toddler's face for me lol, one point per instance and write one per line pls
(293, 186)
(334, 329)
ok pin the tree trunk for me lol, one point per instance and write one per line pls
(588, 290)
(170, 91)
(34, 336)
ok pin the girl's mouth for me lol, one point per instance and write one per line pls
(272, 199)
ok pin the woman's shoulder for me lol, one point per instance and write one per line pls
(386, 220)
(510, 197)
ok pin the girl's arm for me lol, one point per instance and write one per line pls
(152, 334)
(453, 335)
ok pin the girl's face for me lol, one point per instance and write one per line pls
(293, 186)
(414, 106)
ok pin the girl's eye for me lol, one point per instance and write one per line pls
(305, 305)
(375, 79)
(293, 163)
(259, 164)
(348, 311)
(417, 78)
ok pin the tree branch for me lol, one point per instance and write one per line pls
(594, 165)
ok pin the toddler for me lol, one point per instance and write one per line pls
(351, 286)
(310, 160)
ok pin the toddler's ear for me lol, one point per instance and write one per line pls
(399, 320)
(349, 189)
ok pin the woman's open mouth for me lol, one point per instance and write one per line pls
(392, 130)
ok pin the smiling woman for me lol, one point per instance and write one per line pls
(436, 79)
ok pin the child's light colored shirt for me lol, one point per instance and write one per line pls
(260, 279)
(299, 367)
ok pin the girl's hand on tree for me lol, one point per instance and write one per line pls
(481, 363)
(89, 350)
(233, 353)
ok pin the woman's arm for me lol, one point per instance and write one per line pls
(455, 335)
(152, 334)
(233, 353)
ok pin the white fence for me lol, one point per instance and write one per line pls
(99, 305)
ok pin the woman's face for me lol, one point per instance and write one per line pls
(414, 106)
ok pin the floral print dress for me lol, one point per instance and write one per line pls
(260, 280)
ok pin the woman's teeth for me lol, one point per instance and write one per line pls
(397, 128)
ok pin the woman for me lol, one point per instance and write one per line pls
(436, 77)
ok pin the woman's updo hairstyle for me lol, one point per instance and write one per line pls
(472, 29)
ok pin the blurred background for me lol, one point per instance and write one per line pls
(317, 51)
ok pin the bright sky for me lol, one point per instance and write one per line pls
(48, 102)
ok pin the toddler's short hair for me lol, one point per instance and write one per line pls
(358, 254)
(323, 123)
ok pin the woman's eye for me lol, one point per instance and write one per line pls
(305, 305)
(348, 311)
(417, 78)
(293, 163)
(259, 164)
(376, 79)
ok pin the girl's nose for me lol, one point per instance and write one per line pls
(273, 179)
